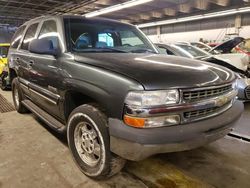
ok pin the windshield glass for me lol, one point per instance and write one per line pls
(4, 51)
(201, 46)
(105, 36)
(194, 51)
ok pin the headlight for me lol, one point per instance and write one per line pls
(152, 98)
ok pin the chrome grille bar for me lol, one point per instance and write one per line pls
(194, 95)
(247, 91)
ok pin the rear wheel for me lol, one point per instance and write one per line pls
(3, 83)
(18, 97)
(88, 140)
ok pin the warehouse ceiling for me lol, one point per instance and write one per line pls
(15, 12)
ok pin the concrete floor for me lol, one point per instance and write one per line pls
(32, 155)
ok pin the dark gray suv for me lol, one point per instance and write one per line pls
(105, 85)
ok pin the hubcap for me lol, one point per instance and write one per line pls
(87, 143)
(16, 96)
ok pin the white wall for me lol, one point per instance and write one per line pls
(193, 36)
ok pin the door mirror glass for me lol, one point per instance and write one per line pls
(42, 46)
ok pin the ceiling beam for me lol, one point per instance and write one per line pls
(221, 2)
(155, 14)
(169, 11)
(185, 7)
(201, 4)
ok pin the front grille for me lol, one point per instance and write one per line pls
(247, 91)
(205, 112)
(194, 95)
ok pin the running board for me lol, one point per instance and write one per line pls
(47, 118)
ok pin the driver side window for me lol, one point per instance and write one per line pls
(49, 31)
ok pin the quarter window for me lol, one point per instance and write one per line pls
(29, 36)
(49, 31)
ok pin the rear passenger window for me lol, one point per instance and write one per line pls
(49, 31)
(29, 36)
(17, 37)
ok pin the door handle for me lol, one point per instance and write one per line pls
(18, 61)
(31, 63)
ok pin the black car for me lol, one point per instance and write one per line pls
(105, 85)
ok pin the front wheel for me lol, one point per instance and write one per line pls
(88, 140)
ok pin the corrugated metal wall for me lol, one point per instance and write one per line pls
(5, 35)
(206, 24)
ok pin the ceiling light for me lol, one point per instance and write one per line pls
(198, 17)
(120, 6)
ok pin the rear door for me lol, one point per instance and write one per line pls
(44, 72)
(22, 57)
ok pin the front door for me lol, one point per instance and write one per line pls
(44, 73)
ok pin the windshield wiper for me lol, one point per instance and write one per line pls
(143, 50)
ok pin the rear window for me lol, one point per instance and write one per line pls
(17, 37)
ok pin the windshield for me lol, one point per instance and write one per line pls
(105, 36)
(201, 46)
(4, 51)
(194, 51)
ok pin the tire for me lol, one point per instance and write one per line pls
(18, 97)
(88, 140)
(3, 82)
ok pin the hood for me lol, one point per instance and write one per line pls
(159, 71)
(227, 46)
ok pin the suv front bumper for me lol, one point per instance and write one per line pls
(137, 144)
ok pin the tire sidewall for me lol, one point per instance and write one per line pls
(90, 115)
(3, 85)
(15, 86)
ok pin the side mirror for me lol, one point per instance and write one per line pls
(42, 46)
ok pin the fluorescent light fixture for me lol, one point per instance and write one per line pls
(120, 6)
(198, 17)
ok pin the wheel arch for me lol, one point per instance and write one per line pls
(75, 98)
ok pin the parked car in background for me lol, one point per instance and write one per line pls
(224, 52)
(243, 47)
(193, 52)
(4, 48)
(201, 45)
(4, 78)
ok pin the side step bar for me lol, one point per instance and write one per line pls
(47, 118)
